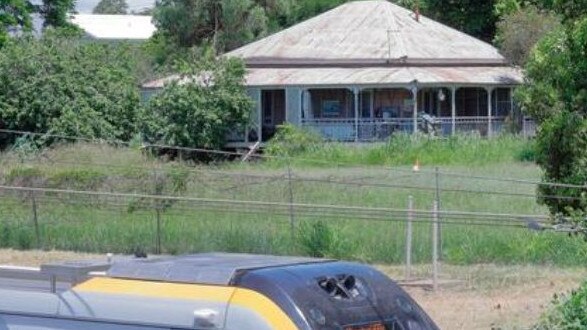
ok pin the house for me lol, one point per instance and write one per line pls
(115, 27)
(368, 69)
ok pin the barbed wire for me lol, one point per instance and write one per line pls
(288, 158)
(298, 178)
(337, 209)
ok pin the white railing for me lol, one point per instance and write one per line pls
(332, 129)
(379, 129)
(367, 129)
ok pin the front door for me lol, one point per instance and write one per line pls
(273, 104)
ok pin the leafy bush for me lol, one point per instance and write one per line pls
(567, 312)
(200, 108)
(67, 86)
(520, 29)
(85, 179)
(318, 239)
(562, 153)
(527, 153)
(291, 140)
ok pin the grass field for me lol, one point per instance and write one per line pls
(129, 223)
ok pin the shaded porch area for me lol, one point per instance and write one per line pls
(374, 114)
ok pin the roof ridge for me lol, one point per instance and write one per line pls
(376, 30)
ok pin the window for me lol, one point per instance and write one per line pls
(331, 108)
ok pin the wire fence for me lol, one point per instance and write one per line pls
(377, 214)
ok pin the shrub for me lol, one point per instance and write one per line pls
(66, 86)
(291, 140)
(318, 239)
(562, 154)
(200, 108)
(85, 179)
(567, 311)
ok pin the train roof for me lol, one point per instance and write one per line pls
(204, 268)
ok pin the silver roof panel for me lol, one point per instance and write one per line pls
(205, 268)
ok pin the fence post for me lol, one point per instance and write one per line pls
(35, 218)
(437, 198)
(410, 220)
(435, 236)
(158, 247)
(291, 200)
(158, 190)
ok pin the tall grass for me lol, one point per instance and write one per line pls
(125, 225)
(403, 149)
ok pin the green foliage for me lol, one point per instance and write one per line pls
(55, 13)
(201, 107)
(14, 15)
(473, 17)
(521, 29)
(68, 87)
(83, 179)
(291, 140)
(556, 95)
(104, 224)
(402, 149)
(562, 154)
(553, 84)
(226, 24)
(318, 239)
(305, 9)
(111, 7)
(162, 183)
(571, 10)
(567, 311)
(527, 153)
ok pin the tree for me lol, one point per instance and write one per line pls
(304, 9)
(111, 7)
(55, 13)
(474, 17)
(68, 87)
(555, 94)
(519, 30)
(225, 24)
(14, 15)
(198, 109)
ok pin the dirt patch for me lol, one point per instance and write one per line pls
(36, 257)
(490, 296)
(487, 296)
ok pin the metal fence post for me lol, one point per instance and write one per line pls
(158, 190)
(35, 218)
(437, 197)
(435, 236)
(291, 200)
(410, 219)
(158, 247)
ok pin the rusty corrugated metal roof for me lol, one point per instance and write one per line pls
(373, 43)
(374, 76)
(378, 76)
(368, 31)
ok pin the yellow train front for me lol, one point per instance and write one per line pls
(218, 291)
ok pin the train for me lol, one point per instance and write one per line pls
(206, 291)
